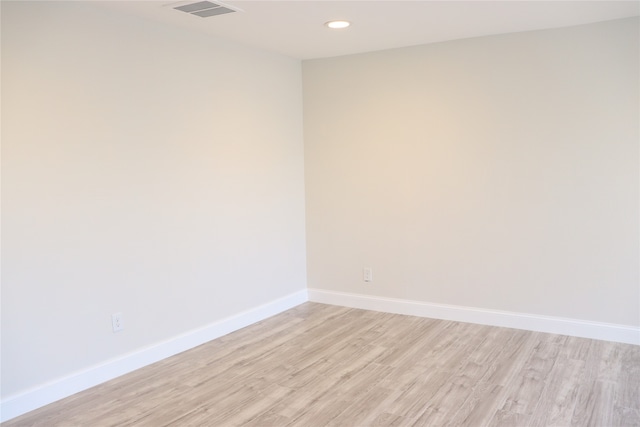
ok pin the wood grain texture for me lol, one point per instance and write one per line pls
(321, 365)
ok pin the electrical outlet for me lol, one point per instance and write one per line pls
(367, 274)
(116, 322)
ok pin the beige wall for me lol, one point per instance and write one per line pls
(159, 173)
(499, 172)
(145, 170)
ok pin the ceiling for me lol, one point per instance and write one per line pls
(295, 28)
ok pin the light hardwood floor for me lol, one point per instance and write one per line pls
(321, 365)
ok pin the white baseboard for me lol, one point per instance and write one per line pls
(22, 403)
(530, 322)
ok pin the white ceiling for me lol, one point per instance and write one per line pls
(295, 28)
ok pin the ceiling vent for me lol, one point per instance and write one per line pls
(205, 9)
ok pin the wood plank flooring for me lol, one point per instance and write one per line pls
(322, 365)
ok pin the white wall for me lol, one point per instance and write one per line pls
(159, 173)
(145, 170)
(499, 173)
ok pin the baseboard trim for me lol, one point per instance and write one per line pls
(530, 322)
(22, 403)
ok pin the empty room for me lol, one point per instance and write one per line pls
(320, 213)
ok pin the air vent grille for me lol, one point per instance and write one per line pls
(204, 9)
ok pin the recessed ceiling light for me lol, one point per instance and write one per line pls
(336, 25)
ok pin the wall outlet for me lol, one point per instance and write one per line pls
(367, 274)
(116, 322)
